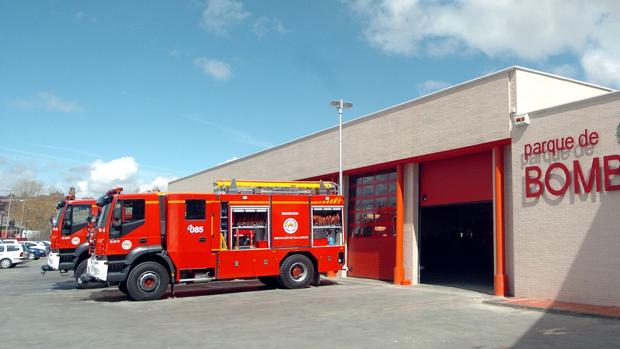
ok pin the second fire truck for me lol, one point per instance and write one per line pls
(69, 237)
(285, 233)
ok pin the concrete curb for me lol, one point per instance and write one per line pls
(504, 303)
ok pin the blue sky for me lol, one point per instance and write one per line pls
(95, 94)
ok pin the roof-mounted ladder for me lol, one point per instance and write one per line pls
(234, 186)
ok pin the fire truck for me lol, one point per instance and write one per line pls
(69, 237)
(283, 233)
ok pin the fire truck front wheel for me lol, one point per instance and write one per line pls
(82, 281)
(297, 271)
(147, 281)
(122, 286)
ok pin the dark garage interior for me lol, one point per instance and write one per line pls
(456, 247)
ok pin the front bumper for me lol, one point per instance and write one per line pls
(97, 269)
(53, 260)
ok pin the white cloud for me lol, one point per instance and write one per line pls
(116, 170)
(46, 101)
(429, 86)
(530, 29)
(260, 27)
(125, 172)
(265, 25)
(217, 69)
(54, 103)
(219, 15)
(602, 66)
(159, 183)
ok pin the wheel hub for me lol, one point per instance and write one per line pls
(298, 272)
(148, 281)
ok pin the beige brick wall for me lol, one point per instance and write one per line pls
(567, 248)
(470, 114)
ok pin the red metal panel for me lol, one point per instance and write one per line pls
(372, 257)
(290, 223)
(467, 178)
(190, 241)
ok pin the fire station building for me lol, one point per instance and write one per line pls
(506, 184)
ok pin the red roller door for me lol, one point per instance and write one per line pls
(462, 179)
(371, 233)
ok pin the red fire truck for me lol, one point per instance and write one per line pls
(69, 237)
(284, 233)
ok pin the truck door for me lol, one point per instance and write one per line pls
(74, 225)
(194, 235)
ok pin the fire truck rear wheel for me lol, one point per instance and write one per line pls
(147, 281)
(296, 271)
(81, 270)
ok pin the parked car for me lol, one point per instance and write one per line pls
(12, 254)
(36, 253)
(38, 245)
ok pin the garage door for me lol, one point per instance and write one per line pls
(372, 214)
(463, 179)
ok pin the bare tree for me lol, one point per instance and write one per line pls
(28, 188)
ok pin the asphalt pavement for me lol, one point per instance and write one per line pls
(49, 312)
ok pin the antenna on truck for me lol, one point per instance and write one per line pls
(233, 186)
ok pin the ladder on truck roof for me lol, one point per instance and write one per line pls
(233, 186)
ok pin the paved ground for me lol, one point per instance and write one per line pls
(46, 311)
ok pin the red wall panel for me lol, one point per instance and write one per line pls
(462, 179)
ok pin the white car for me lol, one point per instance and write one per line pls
(12, 254)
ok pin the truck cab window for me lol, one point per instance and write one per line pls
(76, 218)
(127, 216)
(195, 209)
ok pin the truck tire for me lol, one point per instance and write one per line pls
(147, 281)
(297, 271)
(81, 284)
(269, 281)
(122, 286)
(5, 263)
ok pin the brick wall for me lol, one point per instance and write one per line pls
(567, 247)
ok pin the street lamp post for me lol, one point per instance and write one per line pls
(8, 217)
(340, 104)
(21, 220)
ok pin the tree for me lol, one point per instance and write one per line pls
(28, 188)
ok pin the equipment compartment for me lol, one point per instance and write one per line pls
(327, 226)
(250, 228)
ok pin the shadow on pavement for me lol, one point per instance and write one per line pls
(113, 294)
(64, 285)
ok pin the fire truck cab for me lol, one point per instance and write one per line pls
(284, 233)
(69, 237)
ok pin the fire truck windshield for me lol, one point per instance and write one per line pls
(102, 217)
(56, 217)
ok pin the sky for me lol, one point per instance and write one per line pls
(95, 94)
